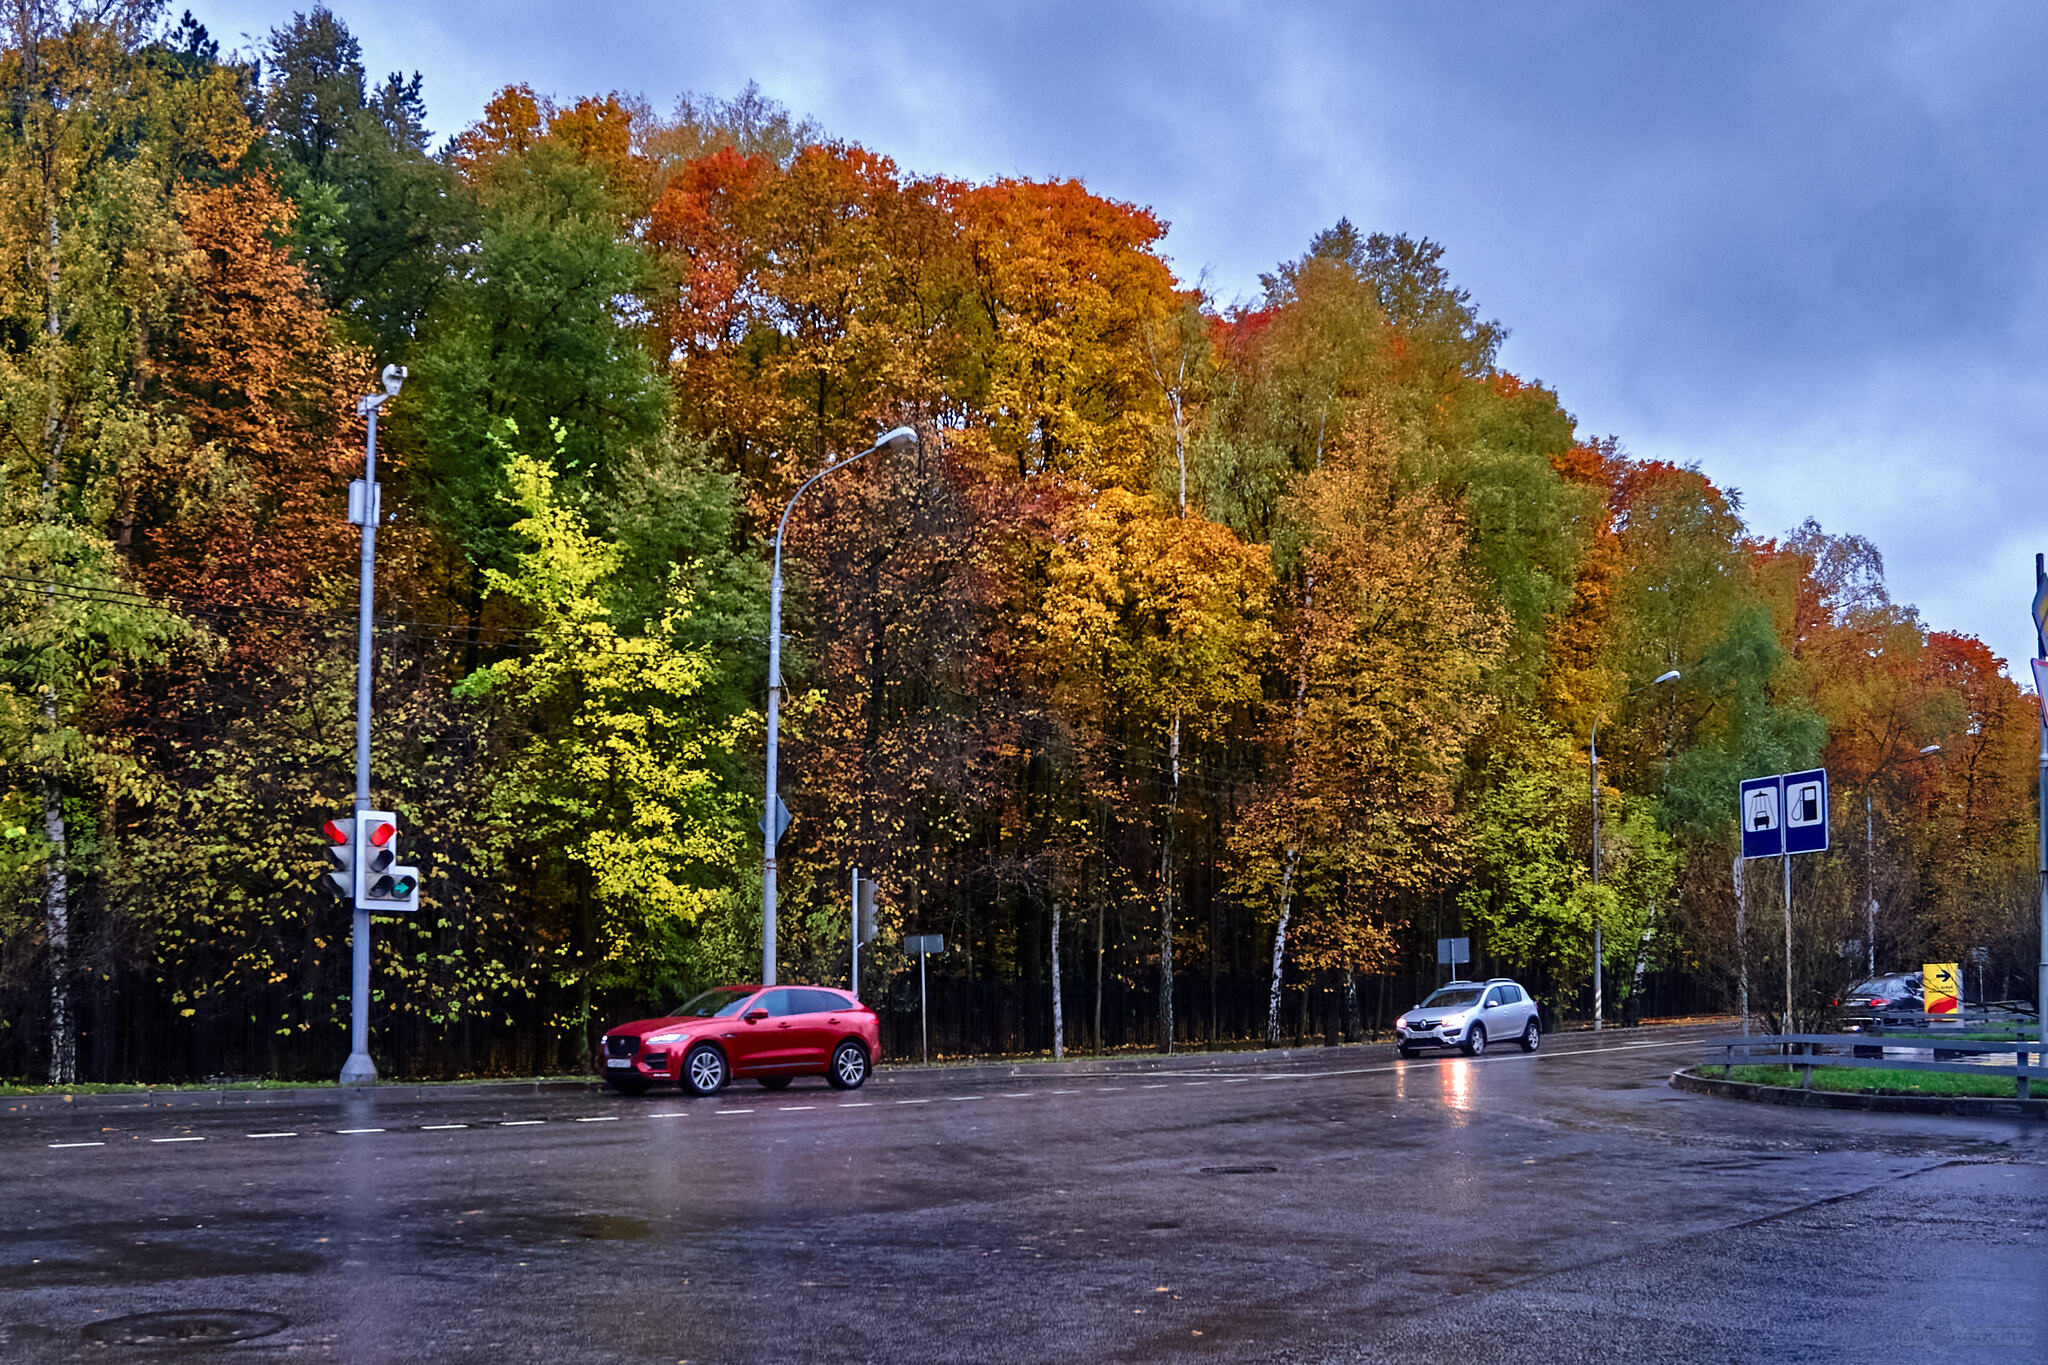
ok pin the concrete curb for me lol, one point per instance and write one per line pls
(1955, 1106)
(168, 1099)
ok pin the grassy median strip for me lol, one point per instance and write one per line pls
(1871, 1080)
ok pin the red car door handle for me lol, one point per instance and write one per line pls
(833, 1020)
(783, 1024)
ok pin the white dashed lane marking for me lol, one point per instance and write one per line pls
(870, 1104)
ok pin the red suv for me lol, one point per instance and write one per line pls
(772, 1035)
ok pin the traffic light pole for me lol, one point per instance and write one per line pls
(359, 1069)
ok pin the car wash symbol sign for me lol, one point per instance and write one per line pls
(1784, 813)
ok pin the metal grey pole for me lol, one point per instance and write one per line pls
(1786, 1025)
(893, 439)
(924, 1023)
(769, 831)
(855, 976)
(2041, 977)
(1870, 884)
(359, 1069)
(1593, 780)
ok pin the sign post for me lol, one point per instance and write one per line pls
(1781, 815)
(1451, 951)
(921, 944)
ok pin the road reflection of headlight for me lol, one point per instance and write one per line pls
(1458, 1087)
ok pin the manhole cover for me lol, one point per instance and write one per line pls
(1239, 1170)
(185, 1327)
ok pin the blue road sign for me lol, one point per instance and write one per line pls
(1761, 804)
(1806, 811)
(1784, 813)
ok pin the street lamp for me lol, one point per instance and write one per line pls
(774, 815)
(364, 508)
(1870, 863)
(1593, 781)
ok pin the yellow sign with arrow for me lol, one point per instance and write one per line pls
(1941, 987)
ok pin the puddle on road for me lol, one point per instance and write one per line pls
(184, 1327)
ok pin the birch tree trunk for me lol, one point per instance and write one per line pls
(1280, 945)
(1059, 1032)
(1166, 893)
(57, 921)
(1293, 854)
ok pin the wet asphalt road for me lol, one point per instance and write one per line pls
(1331, 1205)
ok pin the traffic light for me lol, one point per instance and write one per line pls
(383, 885)
(341, 841)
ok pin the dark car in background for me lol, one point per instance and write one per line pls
(770, 1034)
(1881, 1002)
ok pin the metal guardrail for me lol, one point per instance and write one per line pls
(1805, 1051)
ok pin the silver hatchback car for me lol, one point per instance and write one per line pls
(1469, 1014)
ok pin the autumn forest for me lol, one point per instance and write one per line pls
(1198, 667)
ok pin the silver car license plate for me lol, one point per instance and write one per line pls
(618, 1061)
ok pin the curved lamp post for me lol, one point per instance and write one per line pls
(772, 817)
(1870, 864)
(1593, 780)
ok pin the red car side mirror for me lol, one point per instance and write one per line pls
(755, 1016)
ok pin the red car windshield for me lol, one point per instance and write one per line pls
(723, 1003)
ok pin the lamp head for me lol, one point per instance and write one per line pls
(1672, 676)
(1930, 749)
(394, 379)
(897, 438)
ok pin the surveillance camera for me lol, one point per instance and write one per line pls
(394, 378)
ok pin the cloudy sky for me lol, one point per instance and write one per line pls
(1804, 246)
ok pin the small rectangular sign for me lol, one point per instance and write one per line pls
(1806, 811)
(1763, 833)
(1451, 951)
(1941, 987)
(924, 943)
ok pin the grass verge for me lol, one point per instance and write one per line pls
(1871, 1080)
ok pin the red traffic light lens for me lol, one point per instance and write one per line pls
(336, 832)
(381, 832)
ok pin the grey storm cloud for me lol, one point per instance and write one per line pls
(1801, 246)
